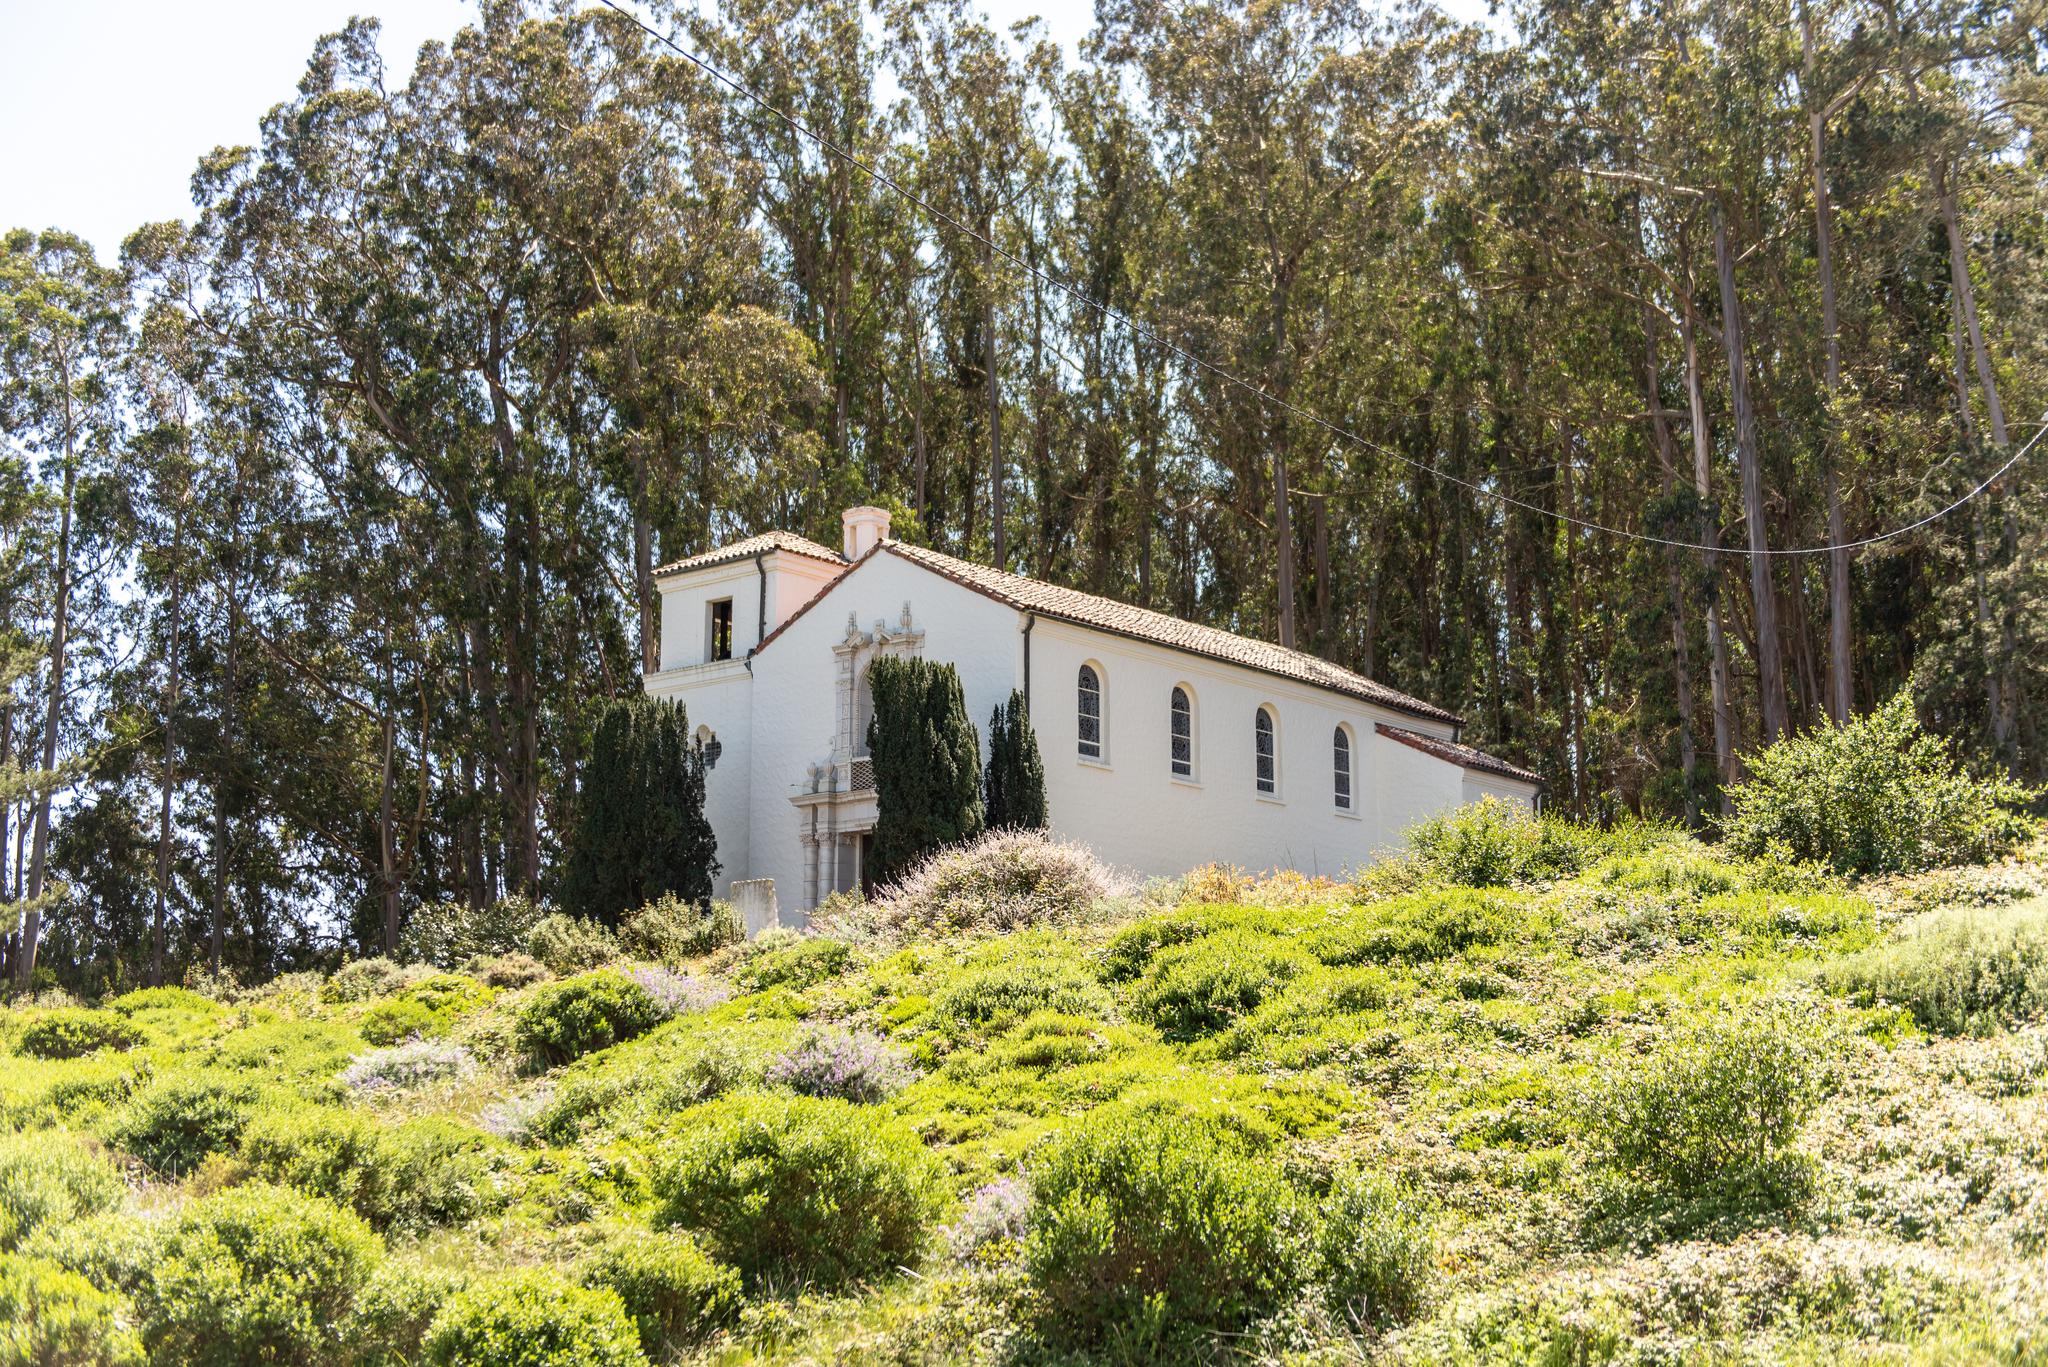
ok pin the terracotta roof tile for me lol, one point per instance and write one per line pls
(1464, 756)
(752, 546)
(1106, 614)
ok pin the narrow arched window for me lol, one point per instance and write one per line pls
(1265, 752)
(1183, 734)
(1090, 713)
(1341, 768)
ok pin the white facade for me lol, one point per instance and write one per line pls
(791, 798)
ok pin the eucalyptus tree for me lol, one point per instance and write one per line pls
(63, 333)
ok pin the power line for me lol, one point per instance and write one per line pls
(1082, 298)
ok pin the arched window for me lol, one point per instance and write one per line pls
(1183, 734)
(1090, 713)
(1265, 751)
(1340, 763)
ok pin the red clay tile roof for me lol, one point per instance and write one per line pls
(753, 545)
(1463, 756)
(1141, 624)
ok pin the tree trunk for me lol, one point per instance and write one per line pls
(1769, 648)
(1839, 681)
(2005, 711)
(1681, 639)
(60, 622)
(991, 382)
(170, 766)
(1717, 637)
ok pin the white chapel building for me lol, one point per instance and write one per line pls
(1167, 745)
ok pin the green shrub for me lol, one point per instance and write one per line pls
(50, 1317)
(565, 1020)
(671, 929)
(1209, 984)
(424, 1173)
(533, 1319)
(1492, 844)
(361, 979)
(47, 1177)
(1147, 1230)
(989, 998)
(1373, 1246)
(112, 1250)
(394, 1311)
(448, 934)
(73, 1033)
(1961, 971)
(398, 1018)
(569, 944)
(255, 1274)
(507, 972)
(674, 1292)
(798, 1186)
(175, 1122)
(1716, 1105)
(1420, 927)
(424, 1007)
(809, 961)
(162, 999)
(1875, 794)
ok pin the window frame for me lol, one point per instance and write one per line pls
(1266, 766)
(1344, 777)
(1091, 670)
(712, 640)
(1180, 704)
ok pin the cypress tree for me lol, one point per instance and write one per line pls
(927, 763)
(1013, 789)
(641, 831)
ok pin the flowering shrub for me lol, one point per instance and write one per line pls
(515, 1116)
(678, 994)
(404, 1066)
(1003, 881)
(995, 1216)
(508, 972)
(851, 1064)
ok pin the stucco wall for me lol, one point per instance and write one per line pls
(1479, 786)
(720, 696)
(796, 690)
(1135, 814)
(792, 581)
(777, 721)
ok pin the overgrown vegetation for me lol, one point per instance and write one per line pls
(1630, 1098)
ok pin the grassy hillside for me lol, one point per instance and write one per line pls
(1632, 1101)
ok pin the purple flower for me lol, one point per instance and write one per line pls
(852, 1064)
(996, 1213)
(678, 994)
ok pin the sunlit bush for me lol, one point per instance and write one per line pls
(533, 1319)
(75, 1032)
(48, 1177)
(1874, 794)
(673, 1291)
(670, 929)
(795, 1186)
(51, 1317)
(569, 944)
(576, 1016)
(1960, 971)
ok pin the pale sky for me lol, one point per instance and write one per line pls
(107, 105)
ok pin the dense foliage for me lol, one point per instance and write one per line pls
(641, 833)
(329, 517)
(927, 764)
(1672, 1106)
(1876, 794)
(1013, 786)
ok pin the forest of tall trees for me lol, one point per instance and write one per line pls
(328, 516)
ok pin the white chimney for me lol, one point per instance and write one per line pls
(861, 529)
